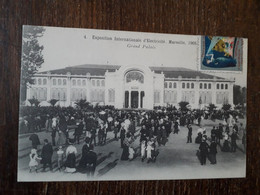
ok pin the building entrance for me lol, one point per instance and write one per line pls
(134, 99)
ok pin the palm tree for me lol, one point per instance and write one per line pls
(226, 107)
(211, 107)
(183, 106)
(31, 101)
(82, 104)
(53, 102)
(34, 101)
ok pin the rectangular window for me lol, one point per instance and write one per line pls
(111, 95)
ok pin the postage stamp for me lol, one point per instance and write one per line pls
(223, 54)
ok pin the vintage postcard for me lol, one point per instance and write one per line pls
(119, 105)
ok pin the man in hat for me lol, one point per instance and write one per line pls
(93, 133)
(203, 151)
(213, 152)
(85, 150)
(91, 161)
(78, 131)
(46, 155)
(189, 139)
(54, 127)
(233, 140)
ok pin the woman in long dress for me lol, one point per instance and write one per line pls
(126, 144)
(226, 147)
(70, 163)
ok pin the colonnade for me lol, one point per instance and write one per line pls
(139, 95)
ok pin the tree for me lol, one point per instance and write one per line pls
(34, 101)
(53, 102)
(183, 105)
(226, 107)
(211, 107)
(32, 57)
(239, 95)
(82, 104)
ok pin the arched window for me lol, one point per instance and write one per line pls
(54, 81)
(165, 84)
(174, 85)
(59, 81)
(44, 81)
(200, 85)
(93, 82)
(192, 85)
(103, 83)
(226, 86)
(170, 85)
(205, 85)
(64, 82)
(84, 82)
(209, 85)
(222, 86)
(134, 76)
(79, 82)
(73, 82)
(39, 81)
(98, 83)
(217, 86)
(188, 85)
(183, 85)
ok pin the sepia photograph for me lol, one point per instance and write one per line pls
(118, 105)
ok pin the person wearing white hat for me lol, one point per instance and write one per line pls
(33, 160)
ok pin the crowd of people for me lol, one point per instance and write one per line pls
(153, 128)
(229, 131)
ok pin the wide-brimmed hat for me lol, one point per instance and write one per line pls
(33, 151)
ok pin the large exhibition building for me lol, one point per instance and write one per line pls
(132, 86)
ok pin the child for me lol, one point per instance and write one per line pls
(143, 148)
(33, 160)
(60, 154)
(150, 148)
(131, 153)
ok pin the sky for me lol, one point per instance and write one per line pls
(65, 47)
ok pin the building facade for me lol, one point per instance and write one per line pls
(135, 86)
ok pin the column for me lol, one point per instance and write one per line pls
(129, 99)
(88, 84)
(197, 92)
(230, 93)
(179, 89)
(68, 101)
(139, 99)
(213, 90)
(48, 88)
